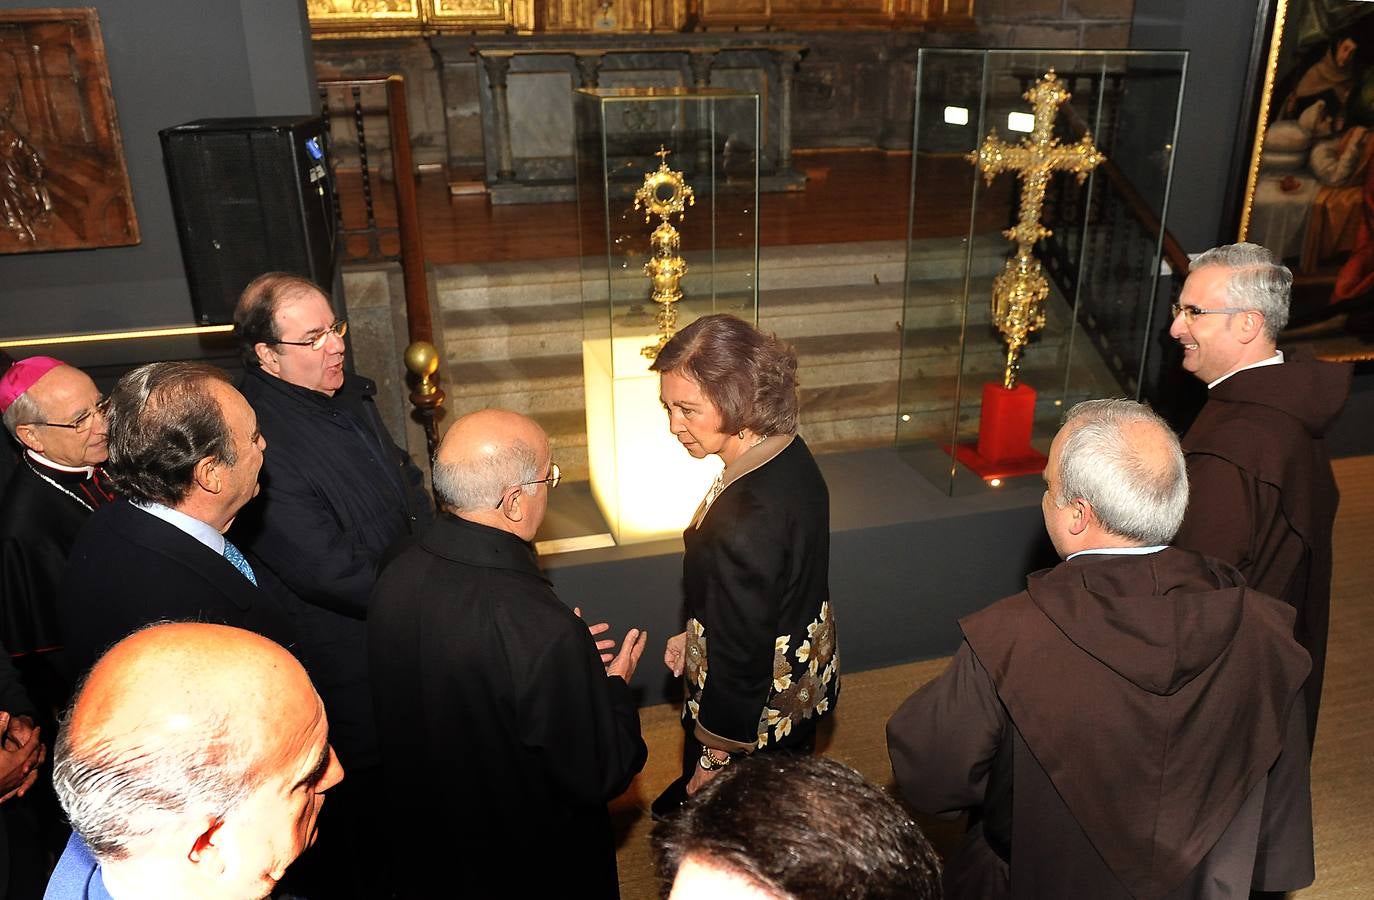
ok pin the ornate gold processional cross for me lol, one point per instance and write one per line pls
(1019, 292)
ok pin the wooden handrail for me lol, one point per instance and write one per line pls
(418, 316)
(419, 320)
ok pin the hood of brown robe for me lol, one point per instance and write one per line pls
(1153, 691)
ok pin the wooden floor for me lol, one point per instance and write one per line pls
(849, 196)
(1342, 765)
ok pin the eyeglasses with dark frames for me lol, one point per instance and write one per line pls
(318, 341)
(1190, 312)
(555, 475)
(82, 423)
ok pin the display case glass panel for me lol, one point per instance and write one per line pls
(1101, 262)
(667, 184)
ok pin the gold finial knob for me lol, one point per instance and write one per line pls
(422, 359)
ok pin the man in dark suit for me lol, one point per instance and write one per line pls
(184, 455)
(492, 702)
(337, 495)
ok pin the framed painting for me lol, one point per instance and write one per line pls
(63, 183)
(1309, 188)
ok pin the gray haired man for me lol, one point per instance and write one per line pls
(1144, 704)
(1264, 498)
(193, 763)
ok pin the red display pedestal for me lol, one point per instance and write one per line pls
(1003, 449)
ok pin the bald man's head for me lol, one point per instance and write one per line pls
(190, 744)
(483, 461)
(1123, 463)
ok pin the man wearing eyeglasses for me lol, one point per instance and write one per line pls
(1263, 496)
(506, 728)
(54, 411)
(337, 495)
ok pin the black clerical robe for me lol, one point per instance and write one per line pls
(1262, 495)
(1129, 726)
(41, 511)
(502, 737)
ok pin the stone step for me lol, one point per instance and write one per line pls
(568, 280)
(501, 333)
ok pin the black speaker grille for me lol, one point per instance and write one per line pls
(248, 199)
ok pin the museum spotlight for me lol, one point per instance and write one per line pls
(1020, 121)
(956, 115)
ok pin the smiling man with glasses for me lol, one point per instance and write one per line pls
(338, 493)
(1263, 496)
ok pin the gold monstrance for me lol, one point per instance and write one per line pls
(664, 193)
(1018, 294)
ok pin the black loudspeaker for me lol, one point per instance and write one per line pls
(250, 196)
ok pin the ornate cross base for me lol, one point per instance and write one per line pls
(1003, 449)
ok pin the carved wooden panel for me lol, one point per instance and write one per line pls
(64, 182)
(635, 16)
(469, 13)
(361, 16)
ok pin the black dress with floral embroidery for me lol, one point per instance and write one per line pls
(762, 664)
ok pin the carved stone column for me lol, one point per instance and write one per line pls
(700, 64)
(589, 70)
(498, 67)
(788, 59)
(701, 67)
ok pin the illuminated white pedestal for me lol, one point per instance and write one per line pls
(645, 483)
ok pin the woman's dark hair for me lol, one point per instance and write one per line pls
(163, 419)
(750, 377)
(255, 315)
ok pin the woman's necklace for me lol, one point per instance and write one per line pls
(71, 494)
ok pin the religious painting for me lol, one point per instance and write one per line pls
(1309, 195)
(63, 183)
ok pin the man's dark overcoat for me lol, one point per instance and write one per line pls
(1262, 495)
(503, 738)
(337, 495)
(129, 568)
(1129, 726)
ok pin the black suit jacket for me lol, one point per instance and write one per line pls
(129, 568)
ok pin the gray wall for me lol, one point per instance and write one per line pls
(1219, 34)
(170, 62)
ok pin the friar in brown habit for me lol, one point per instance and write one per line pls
(1130, 725)
(1263, 496)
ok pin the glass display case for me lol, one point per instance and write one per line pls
(1005, 326)
(667, 187)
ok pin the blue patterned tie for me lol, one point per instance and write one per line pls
(235, 557)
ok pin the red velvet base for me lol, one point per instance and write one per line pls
(1003, 449)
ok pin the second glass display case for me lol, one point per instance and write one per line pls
(1039, 179)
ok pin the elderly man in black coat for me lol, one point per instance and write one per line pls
(337, 495)
(504, 734)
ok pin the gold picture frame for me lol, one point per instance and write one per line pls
(1309, 181)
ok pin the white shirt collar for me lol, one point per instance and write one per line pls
(1274, 360)
(1118, 551)
(182, 522)
(43, 460)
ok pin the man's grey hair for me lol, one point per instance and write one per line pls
(1258, 282)
(480, 483)
(23, 411)
(1130, 493)
(117, 792)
